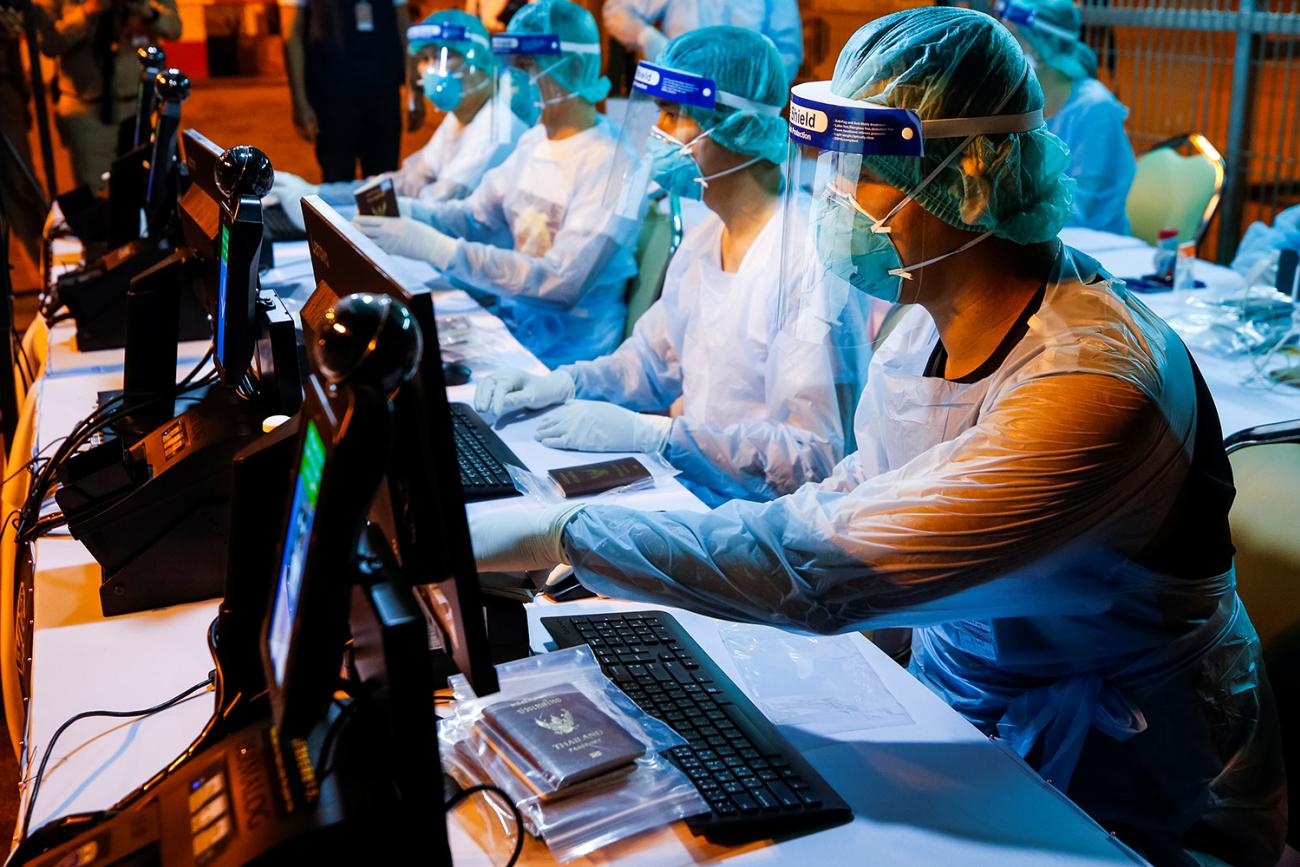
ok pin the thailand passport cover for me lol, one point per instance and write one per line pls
(378, 199)
(557, 738)
(604, 476)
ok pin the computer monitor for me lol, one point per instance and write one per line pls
(239, 247)
(173, 88)
(342, 453)
(425, 507)
(200, 204)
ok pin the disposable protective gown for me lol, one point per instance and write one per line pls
(763, 411)
(537, 234)
(1055, 529)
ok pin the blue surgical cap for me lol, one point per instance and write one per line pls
(744, 63)
(947, 62)
(578, 73)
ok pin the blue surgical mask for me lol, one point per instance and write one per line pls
(858, 248)
(851, 248)
(446, 90)
(674, 167)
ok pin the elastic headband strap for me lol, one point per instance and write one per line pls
(741, 104)
(998, 124)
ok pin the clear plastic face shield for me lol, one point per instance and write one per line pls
(455, 65)
(838, 243)
(660, 142)
(538, 56)
(1025, 16)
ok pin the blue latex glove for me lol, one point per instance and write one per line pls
(596, 426)
(520, 540)
(402, 236)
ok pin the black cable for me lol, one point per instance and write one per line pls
(331, 735)
(519, 817)
(101, 417)
(25, 467)
(49, 748)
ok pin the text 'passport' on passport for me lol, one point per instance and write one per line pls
(557, 738)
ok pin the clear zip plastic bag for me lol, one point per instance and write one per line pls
(787, 675)
(577, 804)
(546, 489)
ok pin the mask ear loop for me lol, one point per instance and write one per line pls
(544, 73)
(704, 181)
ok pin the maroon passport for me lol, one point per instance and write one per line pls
(556, 738)
(378, 199)
(595, 478)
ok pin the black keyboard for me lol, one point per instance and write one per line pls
(482, 457)
(755, 783)
(280, 227)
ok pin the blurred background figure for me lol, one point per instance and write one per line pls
(537, 233)
(647, 25)
(1262, 240)
(97, 74)
(495, 14)
(1079, 110)
(20, 196)
(458, 73)
(346, 63)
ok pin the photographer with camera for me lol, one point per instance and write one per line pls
(94, 42)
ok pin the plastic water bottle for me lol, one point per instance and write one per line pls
(1166, 254)
(1185, 266)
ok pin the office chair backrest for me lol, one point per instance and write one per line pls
(1175, 190)
(1264, 518)
(661, 233)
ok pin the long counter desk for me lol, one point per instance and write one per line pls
(929, 789)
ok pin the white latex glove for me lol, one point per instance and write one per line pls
(520, 540)
(596, 426)
(402, 236)
(651, 41)
(416, 209)
(290, 190)
(512, 389)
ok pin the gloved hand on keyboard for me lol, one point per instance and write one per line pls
(513, 389)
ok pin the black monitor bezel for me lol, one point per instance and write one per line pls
(341, 254)
(355, 429)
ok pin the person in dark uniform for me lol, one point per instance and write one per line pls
(346, 61)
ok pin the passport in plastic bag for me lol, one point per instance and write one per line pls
(557, 738)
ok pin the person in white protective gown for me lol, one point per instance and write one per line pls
(1080, 110)
(648, 25)
(480, 128)
(535, 234)
(762, 411)
(1039, 489)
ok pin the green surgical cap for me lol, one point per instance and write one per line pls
(1071, 57)
(947, 62)
(578, 73)
(477, 55)
(744, 63)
